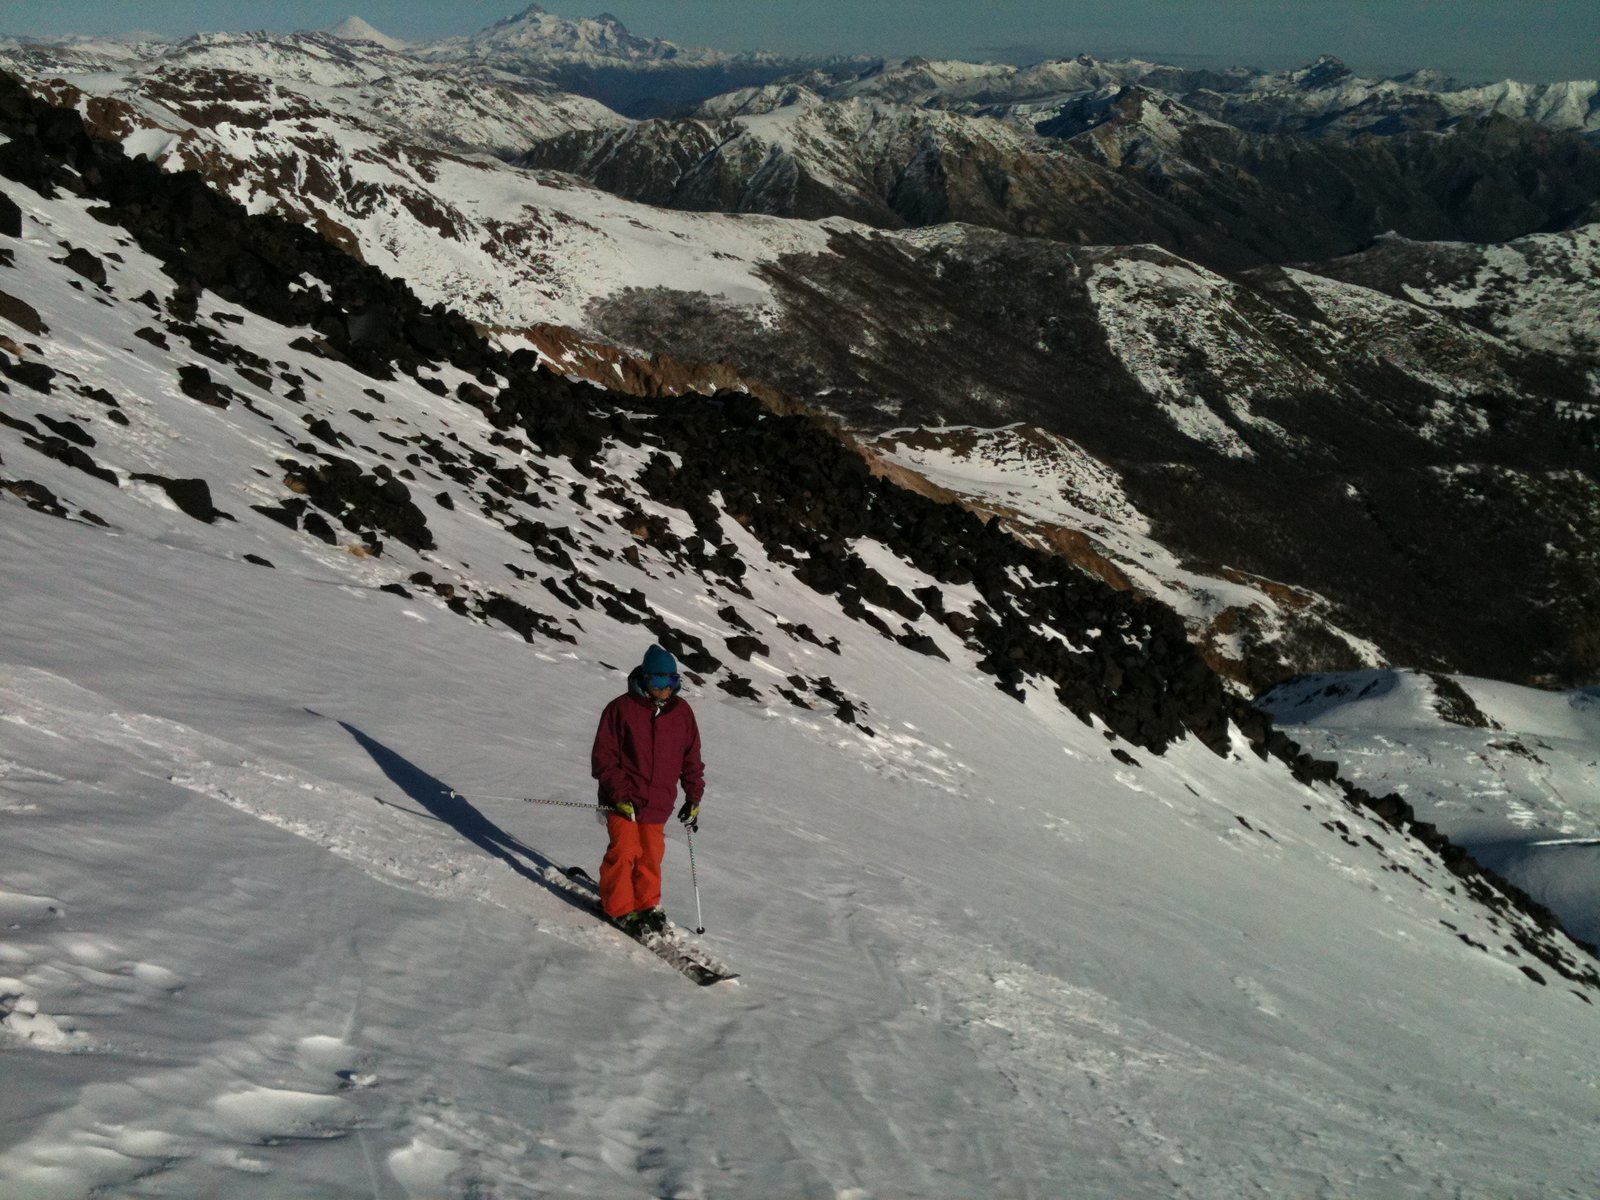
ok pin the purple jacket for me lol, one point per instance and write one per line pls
(642, 755)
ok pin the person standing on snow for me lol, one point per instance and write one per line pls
(647, 744)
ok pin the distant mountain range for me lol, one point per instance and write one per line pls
(1133, 166)
(1328, 342)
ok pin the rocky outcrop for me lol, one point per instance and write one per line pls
(570, 353)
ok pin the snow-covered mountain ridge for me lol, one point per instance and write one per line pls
(396, 169)
(600, 58)
(354, 29)
(1323, 99)
(534, 35)
(274, 924)
(1133, 166)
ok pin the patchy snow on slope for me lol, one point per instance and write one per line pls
(1049, 477)
(842, 143)
(1408, 336)
(1044, 484)
(1537, 291)
(504, 246)
(1157, 308)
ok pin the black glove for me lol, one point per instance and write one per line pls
(689, 814)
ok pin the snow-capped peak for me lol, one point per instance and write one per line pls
(535, 32)
(1327, 71)
(354, 29)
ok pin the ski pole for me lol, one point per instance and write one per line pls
(699, 920)
(560, 803)
(455, 795)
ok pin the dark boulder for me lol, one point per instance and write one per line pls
(83, 262)
(317, 526)
(35, 495)
(70, 430)
(22, 314)
(64, 451)
(10, 217)
(192, 496)
(195, 382)
(30, 374)
(361, 502)
(743, 646)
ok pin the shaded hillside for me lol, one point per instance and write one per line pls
(1536, 292)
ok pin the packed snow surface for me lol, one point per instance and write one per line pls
(252, 945)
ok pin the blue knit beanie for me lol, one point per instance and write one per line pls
(658, 662)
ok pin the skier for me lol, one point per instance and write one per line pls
(646, 745)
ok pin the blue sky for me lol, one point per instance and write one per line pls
(1475, 39)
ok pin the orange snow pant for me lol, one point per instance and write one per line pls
(630, 876)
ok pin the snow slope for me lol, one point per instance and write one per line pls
(1509, 772)
(254, 945)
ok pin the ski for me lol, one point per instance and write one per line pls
(669, 946)
(689, 959)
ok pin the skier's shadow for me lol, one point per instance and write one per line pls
(445, 806)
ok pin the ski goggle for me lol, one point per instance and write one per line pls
(661, 681)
